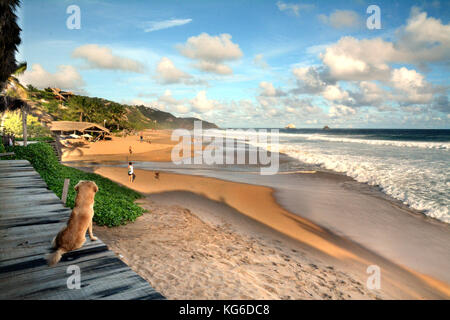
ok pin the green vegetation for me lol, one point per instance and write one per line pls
(41, 139)
(118, 116)
(114, 204)
(13, 124)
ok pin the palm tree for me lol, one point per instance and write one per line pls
(9, 39)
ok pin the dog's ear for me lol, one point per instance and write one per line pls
(95, 186)
(78, 185)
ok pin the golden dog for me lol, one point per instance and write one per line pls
(73, 236)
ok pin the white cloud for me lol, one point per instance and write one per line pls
(352, 59)
(165, 24)
(268, 90)
(412, 86)
(165, 102)
(259, 61)
(337, 111)
(427, 29)
(334, 93)
(202, 104)
(98, 57)
(405, 79)
(66, 78)
(424, 39)
(213, 67)
(370, 94)
(309, 79)
(167, 73)
(211, 52)
(342, 19)
(295, 8)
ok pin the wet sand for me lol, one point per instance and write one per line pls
(258, 204)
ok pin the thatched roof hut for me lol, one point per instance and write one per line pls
(64, 127)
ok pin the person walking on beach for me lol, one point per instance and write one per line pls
(130, 150)
(142, 137)
(131, 174)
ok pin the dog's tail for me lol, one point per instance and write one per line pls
(53, 258)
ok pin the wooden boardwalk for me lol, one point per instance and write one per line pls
(30, 216)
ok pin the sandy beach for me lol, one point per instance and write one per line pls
(209, 238)
(156, 146)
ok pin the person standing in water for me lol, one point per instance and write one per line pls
(130, 172)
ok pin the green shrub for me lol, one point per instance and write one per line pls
(114, 204)
(13, 124)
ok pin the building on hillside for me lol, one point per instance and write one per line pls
(66, 128)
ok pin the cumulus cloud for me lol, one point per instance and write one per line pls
(165, 102)
(302, 107)
(411, 86)
(337, 111)
(259, 61)
(202, 104)
(309, 80)
(342, 19)
(98, 57)
(211, 52)
(268, 90)
(167, 73)
(423, 29)
(352, 59)
(165, 24)
(334, 93)
(66, 78)
(369, 94)
(424, 39)
(295, 8)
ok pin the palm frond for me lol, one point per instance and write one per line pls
(20, 69)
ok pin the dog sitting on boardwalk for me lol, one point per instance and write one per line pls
(73, 236)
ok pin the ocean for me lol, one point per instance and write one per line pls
(410, 165)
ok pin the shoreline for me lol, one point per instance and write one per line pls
(398, 282)
(273, 208)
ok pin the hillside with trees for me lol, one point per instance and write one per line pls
(114, 116)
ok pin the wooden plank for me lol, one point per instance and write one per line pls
(65, 190)
(30, 217)
(7, 154)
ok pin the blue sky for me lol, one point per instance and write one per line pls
(250, 63)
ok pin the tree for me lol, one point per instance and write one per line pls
(16, 90)
(81, 106)
(116, 113)
(13, 123)
(9, 39)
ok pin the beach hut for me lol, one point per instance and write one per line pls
(79, 129)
